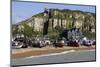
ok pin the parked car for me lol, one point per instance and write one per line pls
(17, 45)
(73, 43)
(58, 43)
(93, 42)
(87, 43)
(39, 44)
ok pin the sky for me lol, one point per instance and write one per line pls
(24, 10)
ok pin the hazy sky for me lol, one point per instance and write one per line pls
(24, 10)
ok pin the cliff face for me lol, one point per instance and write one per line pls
(63, 18)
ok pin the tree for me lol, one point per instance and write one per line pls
(58, 28)
(14, 30)
(87, 23)
(28, 31)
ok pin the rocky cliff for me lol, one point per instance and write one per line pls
(64, 18)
